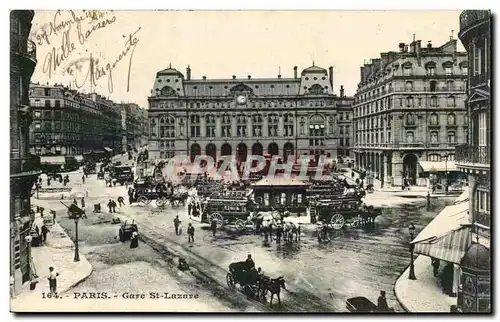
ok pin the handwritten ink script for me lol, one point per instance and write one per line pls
(57, 55)
(91, 70)
(60, 24)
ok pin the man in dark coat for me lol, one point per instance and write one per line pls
(250, 262)
(120, 201)
(213, 227)
(190, 232)
(176, 224)
(382, 303)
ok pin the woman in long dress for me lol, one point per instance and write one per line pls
(134, 242)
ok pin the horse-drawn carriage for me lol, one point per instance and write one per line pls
(341, 210)
(246, 276)
(146, 192)
(227, 209)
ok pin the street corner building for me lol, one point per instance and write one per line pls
(409, 112)
(249, 116)
(23, 167)
(68, 123)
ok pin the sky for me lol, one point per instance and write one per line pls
(219, 44)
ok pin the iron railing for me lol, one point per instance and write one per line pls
(467, 153)
(469, 18)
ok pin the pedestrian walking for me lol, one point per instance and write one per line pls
(110, 204)
(134, 242)
(52, 280)
(75, 202)
(177, 222)
(279, 233)
(121, 201)
(113, 206)
(86, 193)
(83, 179)
(213, 227)
(382, 303)
(428, 201)
(82, 201)
(435, 266)
(45, 230)
(190, 232)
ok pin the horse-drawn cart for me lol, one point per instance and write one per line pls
(126, 230)
(227, 209)
(245, 275)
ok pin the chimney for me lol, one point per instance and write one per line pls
(234, 77)
(341, 90)
(295, 72)
(330, 75)
(429, 44)
(279, 76)
(188, 73)
(204, 77)
(405, 49)
(249, 76)
(401, 47)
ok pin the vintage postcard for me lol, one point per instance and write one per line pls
(250, 161)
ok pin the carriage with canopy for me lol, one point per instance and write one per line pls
(245, 275)
(231, 208)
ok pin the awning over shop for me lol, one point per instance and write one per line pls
(438, 166)
(447, 236)
(107, 149)
(60, 159)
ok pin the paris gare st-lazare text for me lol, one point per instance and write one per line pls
(134, 296)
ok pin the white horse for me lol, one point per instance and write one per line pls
(289, 230)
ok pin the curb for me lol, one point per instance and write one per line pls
(83, 279)
(396, 293)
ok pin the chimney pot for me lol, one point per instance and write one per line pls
(249, 76)
(295, 72)
(188, 73)
(204, 77)
(279, 76)
(341, 90)
(234, 77)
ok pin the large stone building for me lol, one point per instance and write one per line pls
(133, 120)
(409, 107)
(243, 116)
(23, 168)
(474, 158)
(69, 123)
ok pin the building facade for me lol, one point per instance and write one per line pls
(23, 167)
(409, 107)
(245, 116)
(133, 120)
(345, 128)
(474, 157)
(69, 123)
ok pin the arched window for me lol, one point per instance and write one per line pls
(410, 136)
(167, 91)
(316, 130)
(448, 67)
(409, 101)
(434, 120)
(316, 89)
(407, 69)
(451, 119)
(195, 126)
(451, 136)
(430, 67)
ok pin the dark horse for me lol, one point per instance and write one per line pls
(273, 286)
(179, 199)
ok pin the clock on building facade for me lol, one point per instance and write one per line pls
(241, 100)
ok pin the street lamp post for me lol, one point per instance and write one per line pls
(446, 173)
(411, 276)
(77, 253)
(28, 240)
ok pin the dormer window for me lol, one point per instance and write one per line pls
(448, 68)
(407, 69)
(430, 68)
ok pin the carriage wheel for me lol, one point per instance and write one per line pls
(337, 221)
(218, 219)
(230, 280)
(240, 224)
(143, 200)
(160, 202)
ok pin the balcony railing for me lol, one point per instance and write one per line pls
(467, 153)
(469, 18)
(482, 218)
(405, 145)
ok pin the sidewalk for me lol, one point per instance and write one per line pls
(423, 294)
(59, 253)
